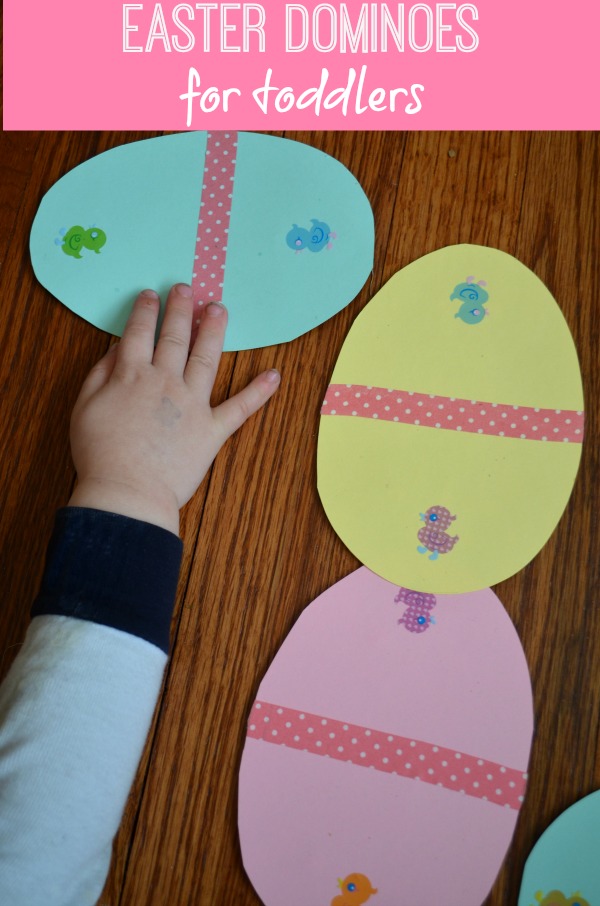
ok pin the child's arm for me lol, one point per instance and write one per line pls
(77, 703)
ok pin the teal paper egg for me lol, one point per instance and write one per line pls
(278, 231)
(562, 869)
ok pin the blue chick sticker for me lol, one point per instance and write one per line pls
(315, 239)
(472, 297)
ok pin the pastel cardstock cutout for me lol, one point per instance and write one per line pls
(376, 751)
(481, 420)
(214, 210)
(564, 861)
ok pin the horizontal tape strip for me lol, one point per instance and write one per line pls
(449, 413)
(392, 754)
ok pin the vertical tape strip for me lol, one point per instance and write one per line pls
(213, 220)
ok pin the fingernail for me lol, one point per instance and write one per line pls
(215, 310)
(273, 376)
(150, 293)
(184, 290)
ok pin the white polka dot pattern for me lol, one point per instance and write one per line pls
(393, 754)
(426, 410)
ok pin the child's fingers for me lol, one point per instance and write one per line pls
(137, 343)
(174, 341)
(204, 358)
(196, 318)
(233, 412)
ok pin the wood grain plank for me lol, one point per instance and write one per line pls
(37, 391)
(551, 600)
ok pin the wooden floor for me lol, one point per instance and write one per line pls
(258, 547)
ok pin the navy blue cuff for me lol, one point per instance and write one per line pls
(113, 570)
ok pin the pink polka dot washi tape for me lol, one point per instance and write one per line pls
(450, 414)
(451, 431)
(373, 748)
(278, 231)
(393, 754)
(208, 276)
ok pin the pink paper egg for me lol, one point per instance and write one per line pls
(387, 750)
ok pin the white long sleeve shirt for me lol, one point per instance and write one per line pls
(76, 706)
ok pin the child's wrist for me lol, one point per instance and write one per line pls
(155, 505)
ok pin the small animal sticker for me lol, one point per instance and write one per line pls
(417, 616)
(77, 238)
(356, 889)
(556, 898)
(315, 239)
(472, 296)
(433, 536)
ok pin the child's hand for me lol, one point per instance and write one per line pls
(143, 434)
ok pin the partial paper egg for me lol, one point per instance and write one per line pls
(451, 431)
(387, 750)
(562, 869)
(278, 231)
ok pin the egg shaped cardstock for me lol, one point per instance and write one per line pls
(562, 869)
(450, 435)
(278, 231)
(387, 750)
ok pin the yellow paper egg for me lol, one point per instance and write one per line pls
(451, 430)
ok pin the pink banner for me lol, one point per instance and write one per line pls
(277, 65)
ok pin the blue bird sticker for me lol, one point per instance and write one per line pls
(315, 239)
(472, 297)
